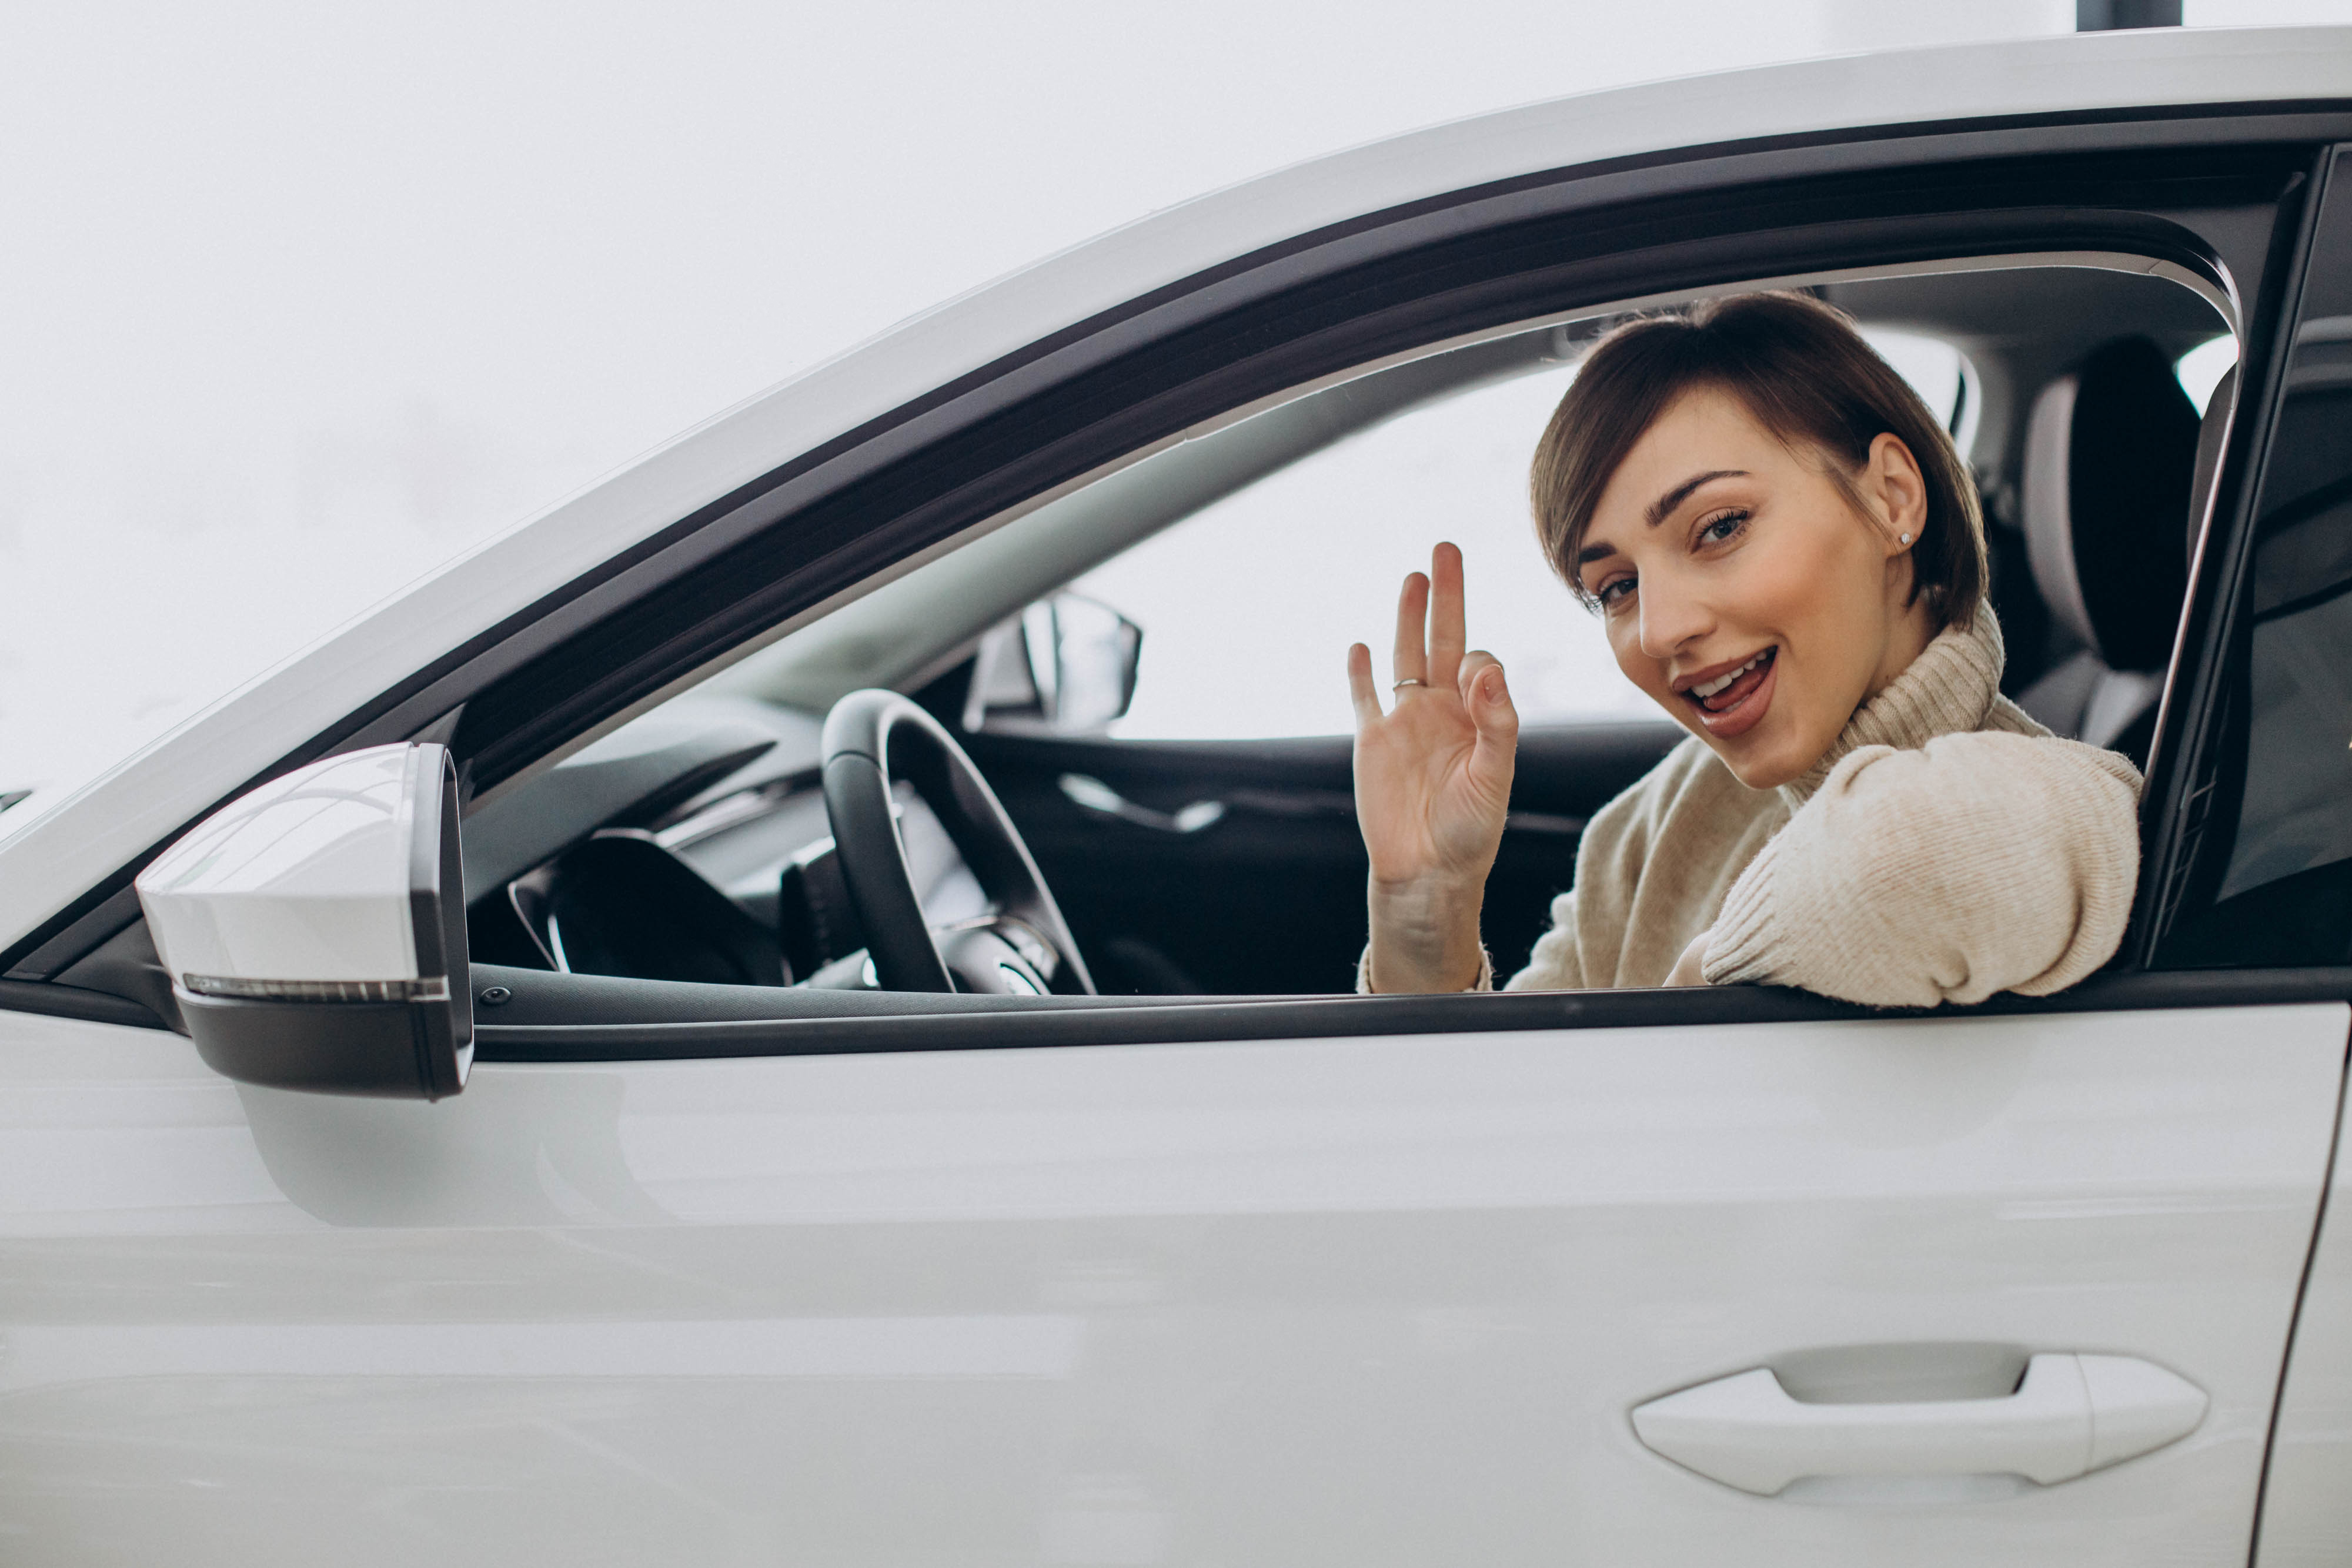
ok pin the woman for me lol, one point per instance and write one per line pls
(1789, 558)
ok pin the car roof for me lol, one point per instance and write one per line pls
(49, 855)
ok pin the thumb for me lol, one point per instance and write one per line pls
(1491, 709)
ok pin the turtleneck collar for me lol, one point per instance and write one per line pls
(1948, 689)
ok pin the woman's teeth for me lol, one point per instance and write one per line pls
(1708, 688)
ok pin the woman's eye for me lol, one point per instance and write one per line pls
(1725, 526)
(1613, 591)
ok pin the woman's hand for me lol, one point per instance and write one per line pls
(1433, 784)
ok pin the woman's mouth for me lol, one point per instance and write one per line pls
(1731, 703)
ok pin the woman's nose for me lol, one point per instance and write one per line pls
(1670, 621)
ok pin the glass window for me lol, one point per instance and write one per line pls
(2274, 823)
(1248, 606)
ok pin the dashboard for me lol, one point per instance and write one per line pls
(692, 844)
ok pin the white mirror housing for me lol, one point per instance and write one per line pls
(315, 929)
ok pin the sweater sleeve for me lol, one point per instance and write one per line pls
(1553, 966)
(1983, 862)
(1484, 982)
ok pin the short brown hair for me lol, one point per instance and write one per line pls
(1806, 375)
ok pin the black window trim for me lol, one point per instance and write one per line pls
(723, 1021)
(775, 504)
(973, 1023)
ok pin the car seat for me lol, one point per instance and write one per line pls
(2111, 451)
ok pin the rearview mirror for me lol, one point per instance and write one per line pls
(315, 929)
(1066, 666)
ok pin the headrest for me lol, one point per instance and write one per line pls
(2109, 452)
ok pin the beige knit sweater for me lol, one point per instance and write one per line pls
(1945, 848)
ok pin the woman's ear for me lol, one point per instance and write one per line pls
(1892, 478)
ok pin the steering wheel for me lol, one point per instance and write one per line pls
(874, 738)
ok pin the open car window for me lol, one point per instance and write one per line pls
(1247, 556)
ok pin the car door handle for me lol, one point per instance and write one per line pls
(1094, 795)
(2071, 1414)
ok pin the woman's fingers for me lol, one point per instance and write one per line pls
(1360, 689)
(1474, 662)
(1430, 624)
(1413, 610)
(1488, 699)
(1446, 635)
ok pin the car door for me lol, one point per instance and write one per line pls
(1371, 1296)
(1345, 1279)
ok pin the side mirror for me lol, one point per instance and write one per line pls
(1066, 666)
(315, 930)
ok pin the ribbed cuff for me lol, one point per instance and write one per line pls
(1485, 981)
(1738, 951)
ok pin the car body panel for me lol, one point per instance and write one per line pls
(595, 541)
(1357, 1301)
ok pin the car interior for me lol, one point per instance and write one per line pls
(971, 703)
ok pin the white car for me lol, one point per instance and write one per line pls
(579, 1067)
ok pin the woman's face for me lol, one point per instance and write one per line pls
(1743, 592)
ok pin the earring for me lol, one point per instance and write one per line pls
(1906, 539)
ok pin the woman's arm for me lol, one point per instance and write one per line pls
(1980, 862)
(1432, 785)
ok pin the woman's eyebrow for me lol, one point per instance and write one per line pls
(1663, 507)
(1660, 509)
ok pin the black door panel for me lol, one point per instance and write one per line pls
(1266, 894)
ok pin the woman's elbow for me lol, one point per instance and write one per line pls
(2017, 912)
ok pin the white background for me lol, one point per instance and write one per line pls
(297, 301)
